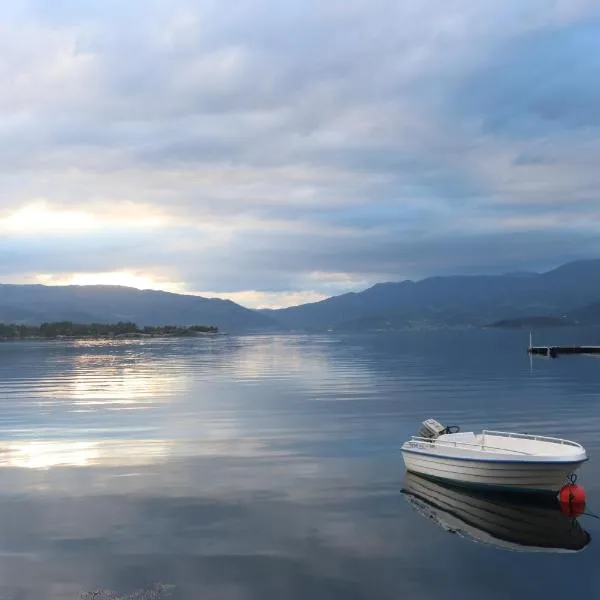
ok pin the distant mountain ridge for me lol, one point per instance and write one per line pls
(35, 304)
(570, 293)
(452, 301)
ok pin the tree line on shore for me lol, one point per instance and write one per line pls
(68, 329)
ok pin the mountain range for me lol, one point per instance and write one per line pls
(458, 301)
(569, 294)
(34, 304)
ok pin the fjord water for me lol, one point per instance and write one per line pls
(269, 466)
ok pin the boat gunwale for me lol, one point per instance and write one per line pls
(531, 436)
(479, 446)
(417, 443)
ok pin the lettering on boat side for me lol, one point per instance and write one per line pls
(415, 444)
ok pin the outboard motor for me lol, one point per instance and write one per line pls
(431, 429)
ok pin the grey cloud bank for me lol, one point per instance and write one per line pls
(299, 146)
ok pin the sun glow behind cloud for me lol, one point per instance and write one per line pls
(128, 278)
(257, 299)
(41, 217)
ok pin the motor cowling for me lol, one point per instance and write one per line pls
(431, 429)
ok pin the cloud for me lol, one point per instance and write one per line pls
(544, 84)
(243, 149)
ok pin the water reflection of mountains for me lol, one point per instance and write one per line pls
(508, 522)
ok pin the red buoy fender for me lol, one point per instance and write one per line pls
(572, 498)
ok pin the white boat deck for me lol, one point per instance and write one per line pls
(500, 442)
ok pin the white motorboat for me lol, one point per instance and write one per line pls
(506, 521)
(492, 459)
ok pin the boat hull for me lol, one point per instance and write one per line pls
(522, 476)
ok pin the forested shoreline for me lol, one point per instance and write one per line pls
(70, 330)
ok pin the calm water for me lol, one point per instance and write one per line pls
(268, 467)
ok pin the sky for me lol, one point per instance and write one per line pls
(285, 151)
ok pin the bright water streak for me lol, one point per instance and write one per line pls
(268, 466)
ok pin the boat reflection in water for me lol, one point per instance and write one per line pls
(509, 522)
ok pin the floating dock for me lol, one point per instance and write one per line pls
(554, 351)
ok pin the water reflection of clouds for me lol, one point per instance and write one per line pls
(203, 525)
(87, 404)
(261, 356)
(62, 453)
(233, 529)
(46, 454)
(106, 379)
(233, 395)
(305, 361)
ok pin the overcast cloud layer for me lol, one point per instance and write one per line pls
(275, 152)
